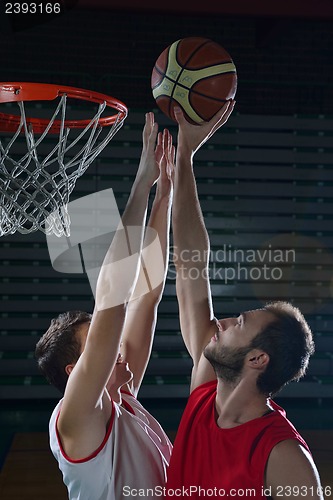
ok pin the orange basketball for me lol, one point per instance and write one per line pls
(196, 74)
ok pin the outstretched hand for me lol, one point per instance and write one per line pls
(152, 153)
(167, 166)
(192, 137)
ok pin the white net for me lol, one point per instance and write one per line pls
(34, 191)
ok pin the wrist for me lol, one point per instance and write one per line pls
(185, 152)
(163, 197)
(141, 185)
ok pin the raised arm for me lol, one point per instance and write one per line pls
(141, 316)
(83, 415)
(191, 245)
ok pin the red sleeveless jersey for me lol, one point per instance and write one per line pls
(208, 461)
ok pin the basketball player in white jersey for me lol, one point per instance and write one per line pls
(105, 442)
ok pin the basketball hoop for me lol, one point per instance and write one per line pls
(34, 192)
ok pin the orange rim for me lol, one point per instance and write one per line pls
(22, 91)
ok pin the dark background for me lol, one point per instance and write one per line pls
(283, 52)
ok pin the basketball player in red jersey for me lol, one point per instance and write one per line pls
(233, 440)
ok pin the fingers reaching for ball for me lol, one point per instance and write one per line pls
(223, 115)
(192, 137)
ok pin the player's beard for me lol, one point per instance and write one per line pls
(227, 362)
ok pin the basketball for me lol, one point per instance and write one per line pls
(196, 74)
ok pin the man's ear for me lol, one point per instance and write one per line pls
(69, 369)
(257, 359)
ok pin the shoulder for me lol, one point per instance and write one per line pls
(289, 448)
(130, 402)
(280, 428)
(202, 371)
(202, 392)
(290, 465)
(54, 417)
(133, 406)
(200, 400)
(205, 388)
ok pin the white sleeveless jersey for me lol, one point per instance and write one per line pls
(133, 456)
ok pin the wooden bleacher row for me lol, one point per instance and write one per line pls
(172, 386)
(19, 363)
(237, 122)
(225, 305)
(235, 154)
(37, 241)
(262, 180)
(312, 262)
(167, 323)
(168, 341)
(24, 342)
(241, 238)
(268, 207)
(69, 294)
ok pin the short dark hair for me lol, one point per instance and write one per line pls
(288, 342)
(60, 346)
